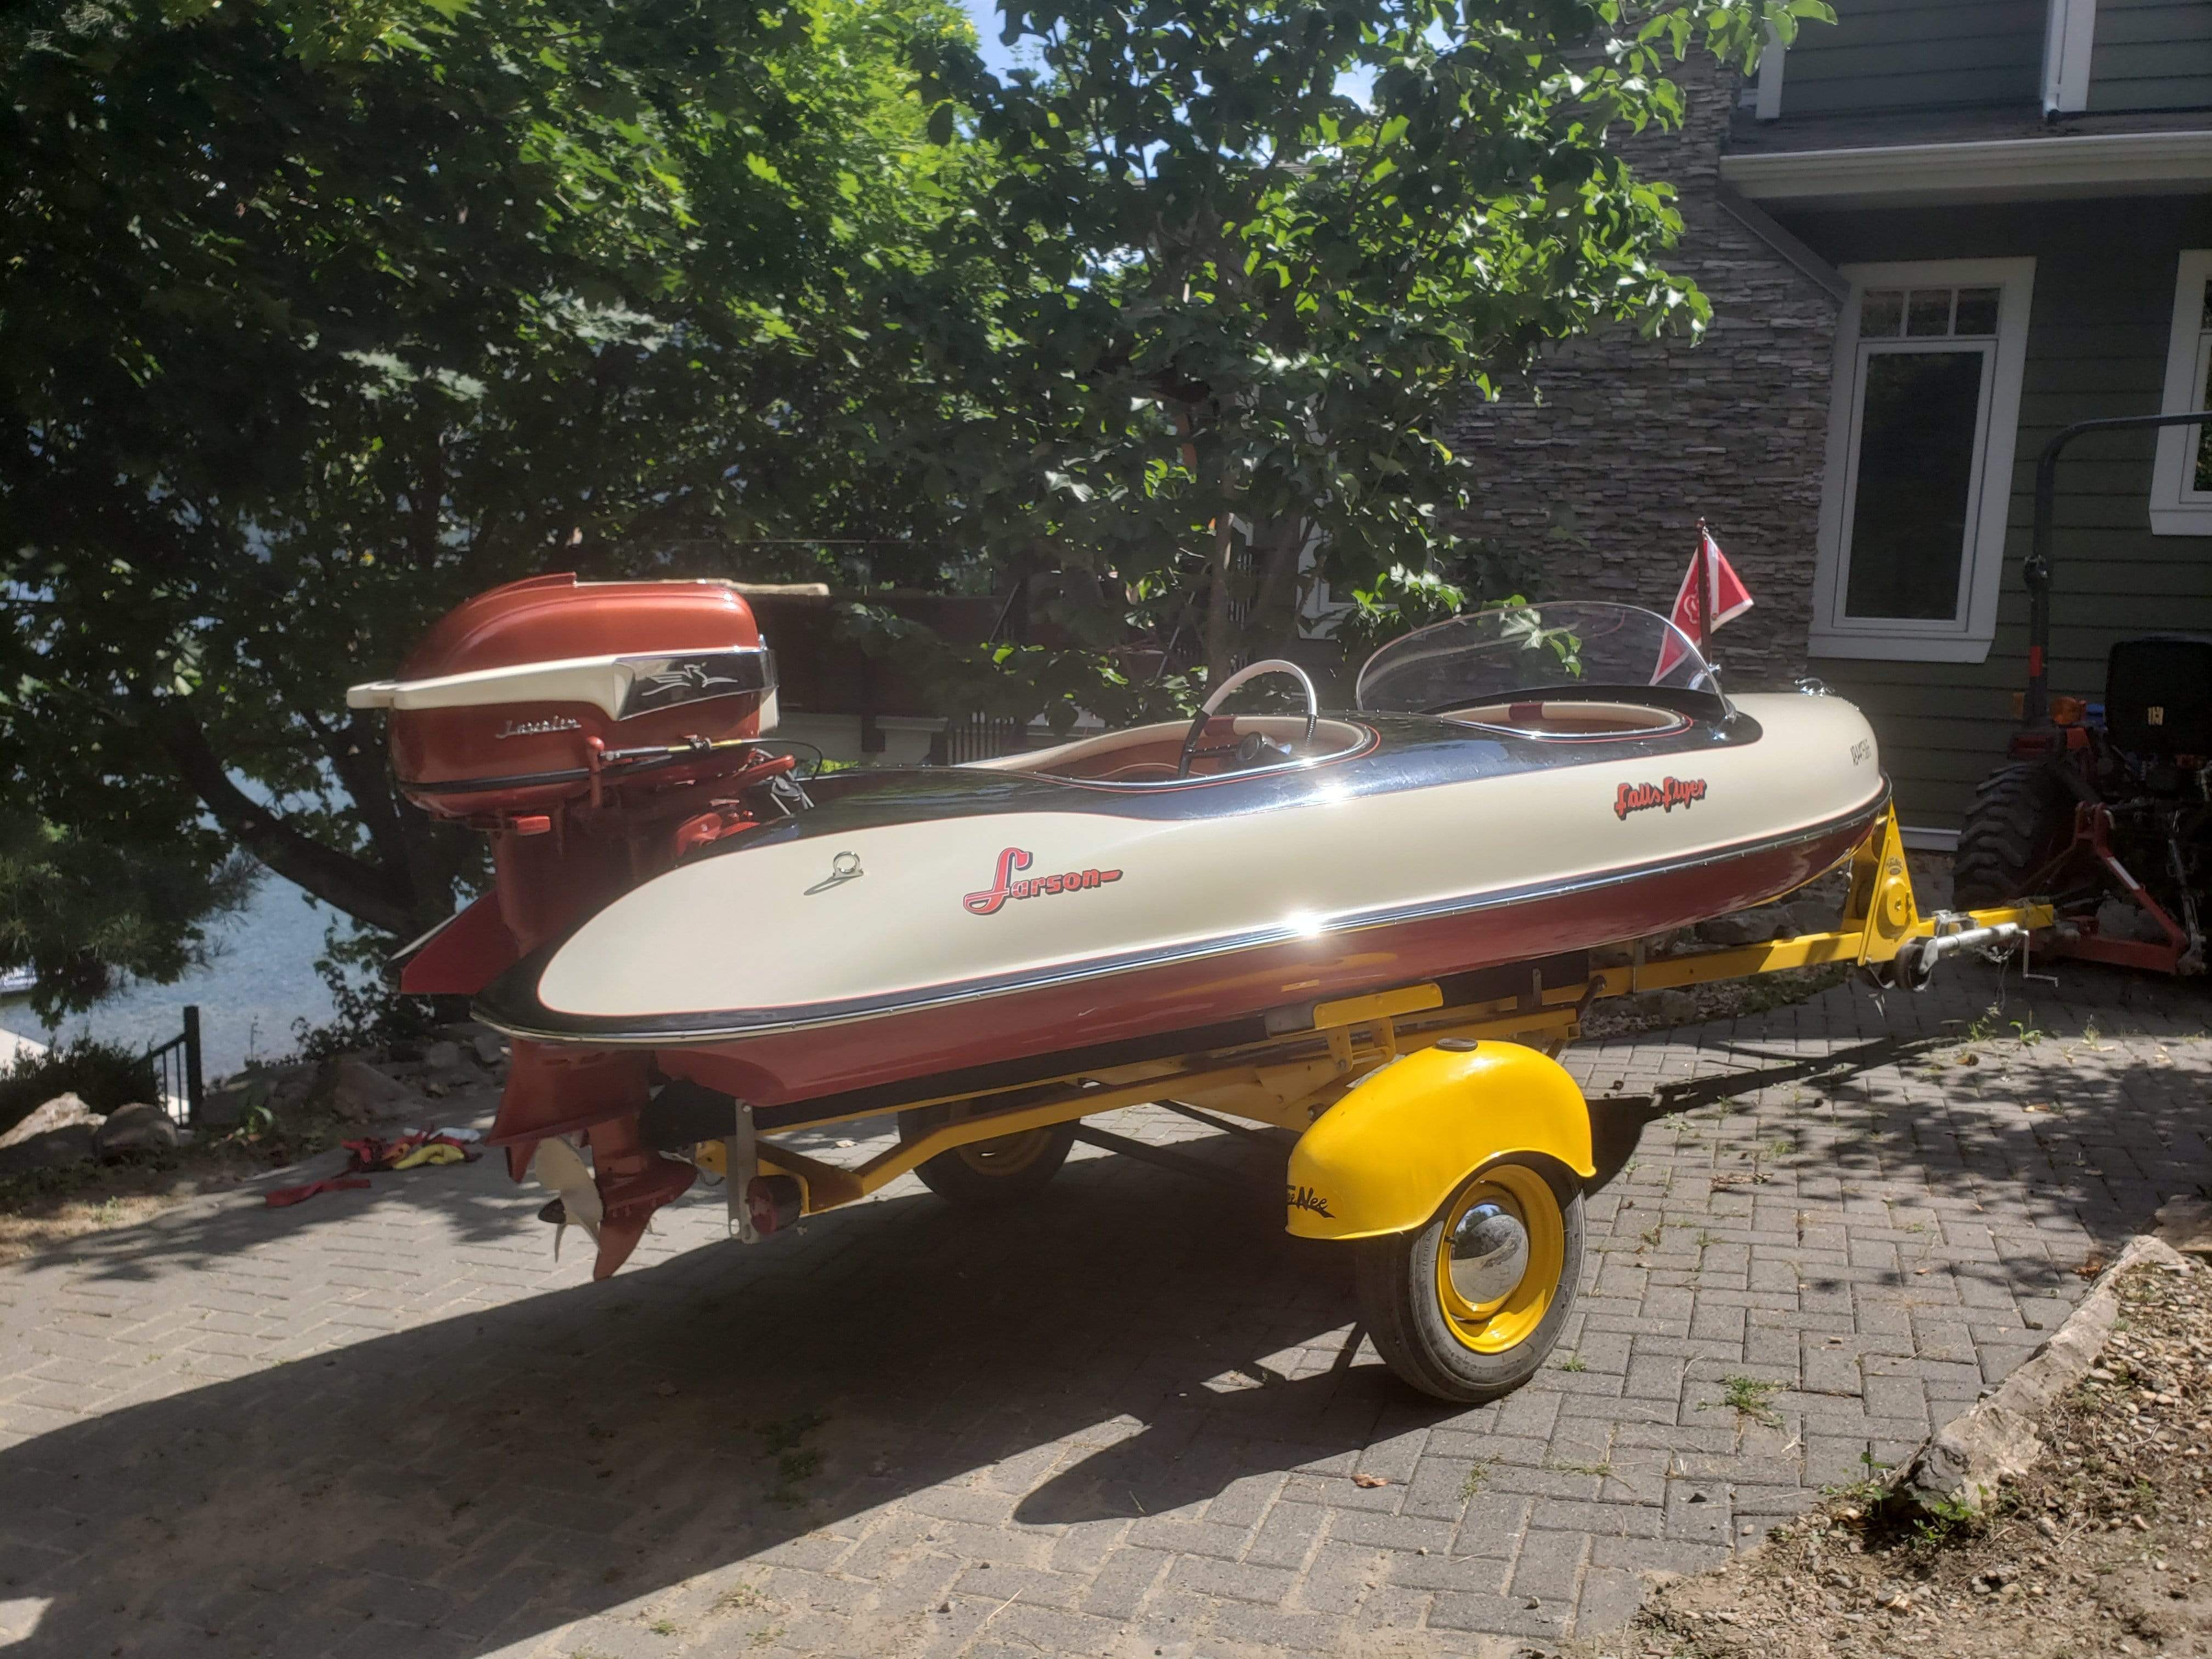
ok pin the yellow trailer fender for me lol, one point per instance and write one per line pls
(1383, 1158)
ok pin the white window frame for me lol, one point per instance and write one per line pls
(1966, 636)
(2175, 508)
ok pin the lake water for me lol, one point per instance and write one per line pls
(262, 977)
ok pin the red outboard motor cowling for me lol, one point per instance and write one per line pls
(511, 701)
(597, 731)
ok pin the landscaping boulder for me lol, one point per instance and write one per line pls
(62, 1112)
(2117, 919)
(61, 1132)
(1674, 1007)
(490, 1051)
(136, 1129)
(2185, 1223)
(280, 1088)
(1993, 1441)
(1812, 915)
(442, 1057)
(360, 1093)
(1746, 927)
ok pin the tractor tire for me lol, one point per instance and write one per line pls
(2021, 819)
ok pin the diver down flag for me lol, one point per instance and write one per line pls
(1711, 593)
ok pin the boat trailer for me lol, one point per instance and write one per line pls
(1443, 1141)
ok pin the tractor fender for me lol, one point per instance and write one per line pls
(1387, 1156)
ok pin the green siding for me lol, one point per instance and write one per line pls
(2096, 346)
(2151, 54)
(1909, 54)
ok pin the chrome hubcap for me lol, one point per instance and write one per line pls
(1489, 1253)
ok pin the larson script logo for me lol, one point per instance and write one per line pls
(539, 728)
(1667, 794)
(987, 903)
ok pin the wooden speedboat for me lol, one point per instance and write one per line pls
(685, 945)
(1494, 802)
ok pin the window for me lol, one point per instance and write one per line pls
(2181, 480)
(1921, 429)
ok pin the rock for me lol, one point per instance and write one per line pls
(2117, 919)
(1673, 1007)
(1995, 1442)
(62, 1112)
(490, 1051)
(1812, 916)
(360, 1093)
(2185, 1223)
(139, 1128)
(1972, 1454)
(63, 1130)
(279, 1088)
(1745, 927)
(442, 1056)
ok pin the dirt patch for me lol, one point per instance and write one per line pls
(42, 1208)
(2105, 1547)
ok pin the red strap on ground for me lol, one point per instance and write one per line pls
(284, 1196)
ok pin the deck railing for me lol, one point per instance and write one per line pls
(977, 736)
(176, 1065)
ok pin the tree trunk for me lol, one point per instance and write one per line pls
(1274, 623)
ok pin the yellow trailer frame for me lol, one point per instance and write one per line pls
(1430, 1134)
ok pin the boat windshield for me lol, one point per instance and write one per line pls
(1573, 649)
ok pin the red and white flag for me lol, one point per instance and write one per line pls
(1711, 593)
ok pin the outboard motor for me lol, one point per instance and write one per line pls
(596, 732)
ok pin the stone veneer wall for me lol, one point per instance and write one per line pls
(1602, 484)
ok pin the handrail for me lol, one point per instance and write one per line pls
(2036, 573)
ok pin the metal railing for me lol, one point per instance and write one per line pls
(176, 1065)
(977, 736)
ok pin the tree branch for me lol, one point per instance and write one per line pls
(361, 890)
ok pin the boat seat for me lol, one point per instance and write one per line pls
(1570, 719)
(1149, 754)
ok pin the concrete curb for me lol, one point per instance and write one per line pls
(1965, 1460)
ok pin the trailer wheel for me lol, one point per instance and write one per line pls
(1466, 1308)
(1006, 1169)
(2021, 818)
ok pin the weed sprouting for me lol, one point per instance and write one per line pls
(1746, 1396)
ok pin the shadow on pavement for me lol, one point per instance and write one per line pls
(502, 1472)
(463, 1484)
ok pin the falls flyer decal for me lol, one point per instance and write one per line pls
(1667, 794)
(987, 901)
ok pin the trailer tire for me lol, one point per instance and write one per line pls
(2020, 820)
(1435, 1337)
(988, 1174)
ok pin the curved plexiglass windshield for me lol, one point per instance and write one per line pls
(1574, 648)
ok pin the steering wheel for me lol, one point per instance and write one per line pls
(1270, 666)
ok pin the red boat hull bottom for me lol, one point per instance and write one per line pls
(791, 1066)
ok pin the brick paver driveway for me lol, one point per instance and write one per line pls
(1123, 1422)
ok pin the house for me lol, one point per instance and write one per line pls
(1934, 235)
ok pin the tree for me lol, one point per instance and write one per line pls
(1241, 299)
(83, 916)
(317, 316)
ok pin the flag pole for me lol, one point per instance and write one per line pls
(1707, 583)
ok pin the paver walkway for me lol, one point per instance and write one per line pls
(1124, 1421)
